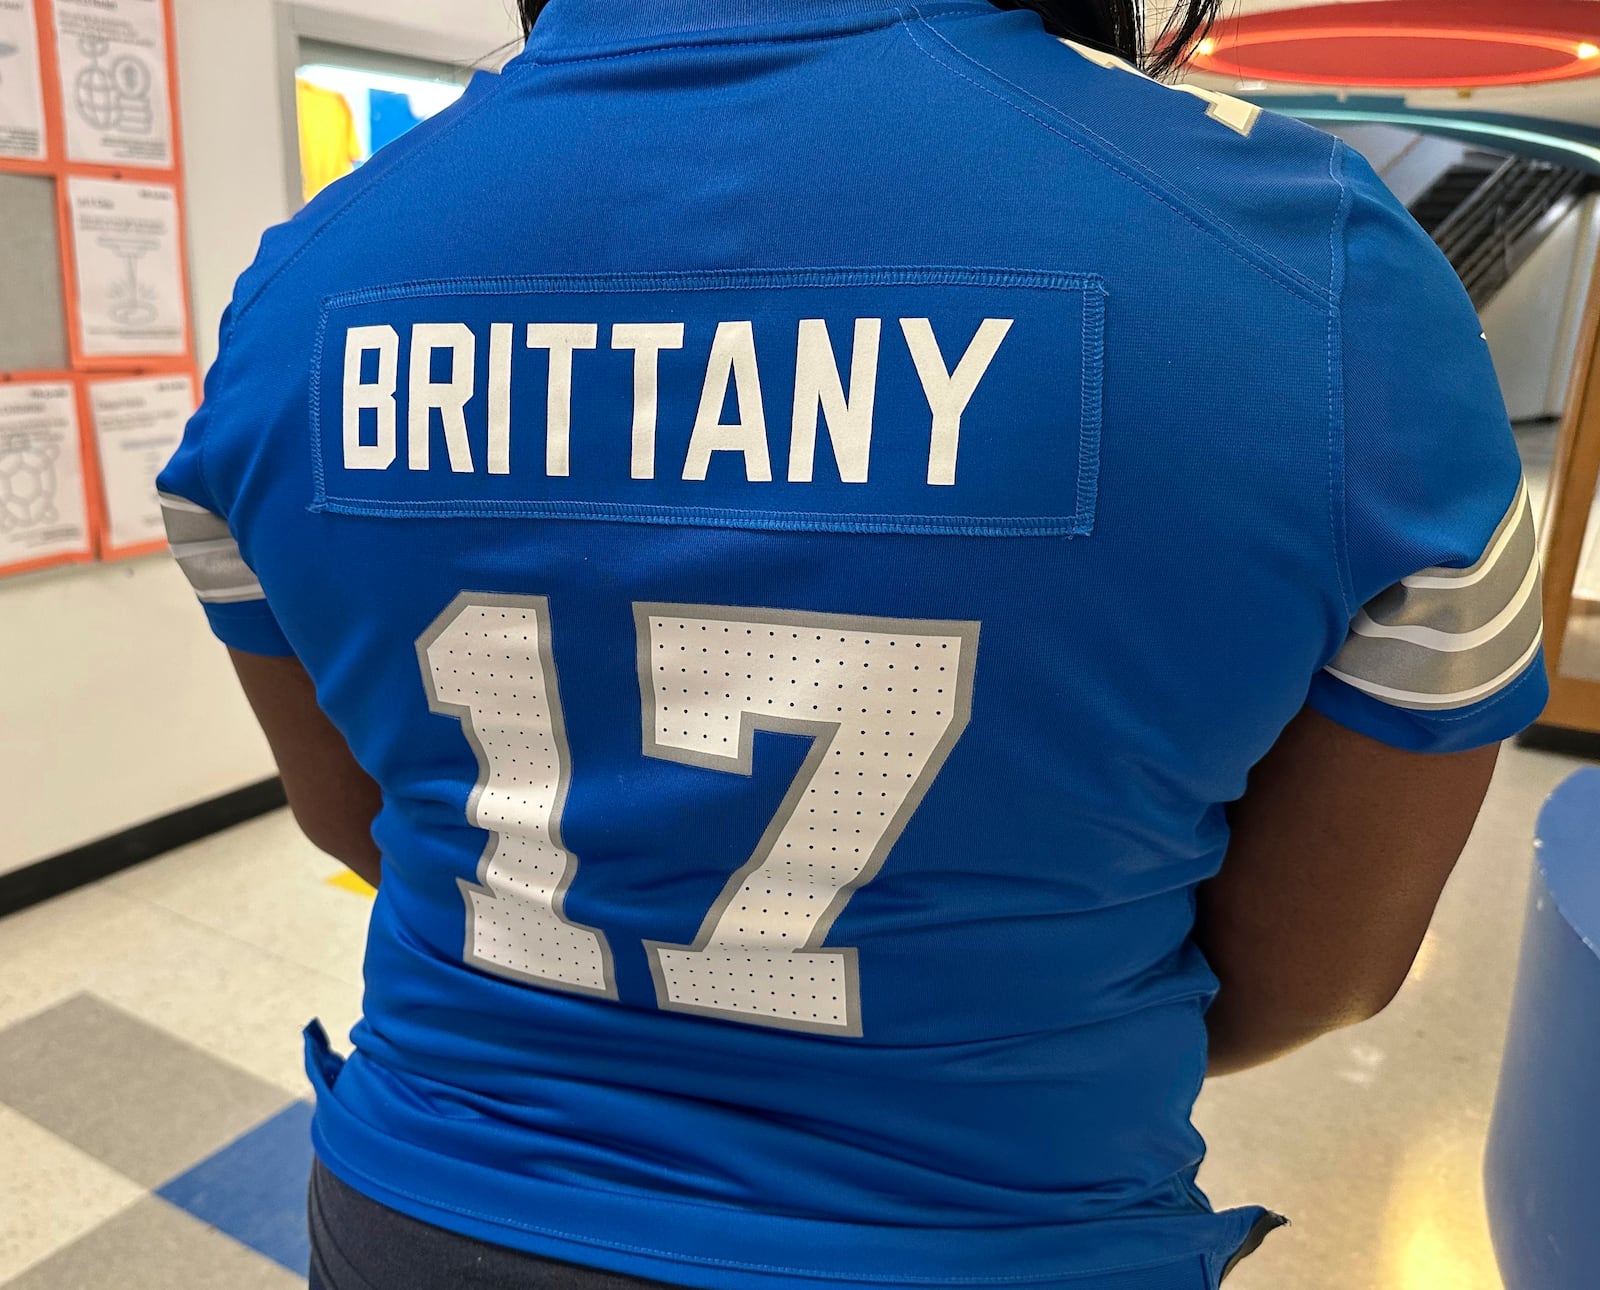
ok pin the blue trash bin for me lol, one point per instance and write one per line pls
(1542, 1170)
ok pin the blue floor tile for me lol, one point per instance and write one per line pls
(254, 1189)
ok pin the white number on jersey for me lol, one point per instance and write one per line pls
(884, 703)
(884, 700)
(1236, 114)
(487, 662)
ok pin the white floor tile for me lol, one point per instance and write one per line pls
(264, 884)
(221, 994)
(50, 1194)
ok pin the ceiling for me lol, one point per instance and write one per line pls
(1396, 61)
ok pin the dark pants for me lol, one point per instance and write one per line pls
(358, 1244)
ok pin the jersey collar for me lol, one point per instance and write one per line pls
(569, 27)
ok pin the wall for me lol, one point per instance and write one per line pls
(1533, 323)
(117, 704)
(233, 117)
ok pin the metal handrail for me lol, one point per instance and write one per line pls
(1474, 206)
(1495, 229)
(1504, 255)
(1486, 209)
(1513, 221)
(1505, 245)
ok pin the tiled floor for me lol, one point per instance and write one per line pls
(102, 1110)
(154, 1127)
(153, 1117)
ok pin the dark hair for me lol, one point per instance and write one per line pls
(1115, 26)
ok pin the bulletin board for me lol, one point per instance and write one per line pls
(97, 366)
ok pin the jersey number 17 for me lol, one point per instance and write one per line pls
(884, 701)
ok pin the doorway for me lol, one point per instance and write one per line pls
(355, 85)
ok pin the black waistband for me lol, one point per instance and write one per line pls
(358, 1244)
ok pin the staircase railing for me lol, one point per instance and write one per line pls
(1492, 234)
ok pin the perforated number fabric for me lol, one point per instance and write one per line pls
(885, 702)
(487, 661)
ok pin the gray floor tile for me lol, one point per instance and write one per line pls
(50, 1193)
(240, 1003)
(153, 1246)
(133, 1097)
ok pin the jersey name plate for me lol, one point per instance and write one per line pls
(953, 401)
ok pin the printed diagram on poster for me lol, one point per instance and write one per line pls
(130, 281)
(21, 95)
(42, 508)
(114, 81)
(88, 138)
(138, 425)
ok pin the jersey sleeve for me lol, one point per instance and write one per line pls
(203, 543)
(1445, 652)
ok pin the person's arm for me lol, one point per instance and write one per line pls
(1341, 848)
(1350, 826)
(333, 799)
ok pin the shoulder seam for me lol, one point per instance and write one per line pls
(1338, 467)
(1110, 156)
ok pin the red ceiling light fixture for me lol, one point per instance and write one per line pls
(1410, 44)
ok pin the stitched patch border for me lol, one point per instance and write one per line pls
(1078, 523)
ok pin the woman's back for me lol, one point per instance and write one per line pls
(808, 509)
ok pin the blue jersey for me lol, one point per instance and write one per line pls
(810, 509)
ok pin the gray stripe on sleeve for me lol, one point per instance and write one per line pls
(207, 554)
(1469, 606)
(187, 522)
(1451, 638)
(1414, 676)
(218, 572)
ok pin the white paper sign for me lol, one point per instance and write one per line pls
(21, 98)
(42, 510)
(130, 285)
(114, 87)
(137, 426)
